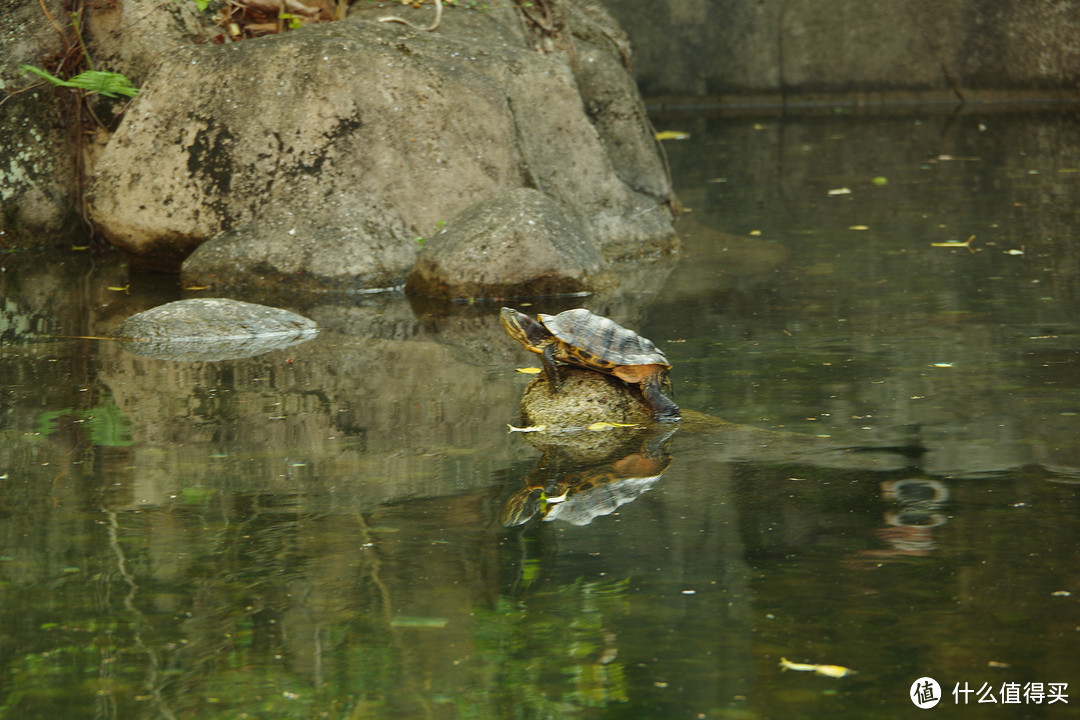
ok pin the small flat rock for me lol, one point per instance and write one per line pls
(212, 329)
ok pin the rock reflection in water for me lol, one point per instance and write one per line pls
(563, 487)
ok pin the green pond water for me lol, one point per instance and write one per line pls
(345, 528)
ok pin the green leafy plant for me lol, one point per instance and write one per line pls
(100, 82)
(294, 20)
(109, 84)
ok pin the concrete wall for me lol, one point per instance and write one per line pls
(819, 49)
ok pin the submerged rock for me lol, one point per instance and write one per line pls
(212, 329)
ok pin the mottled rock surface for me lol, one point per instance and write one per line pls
(212, 329)
(317, 158)
(584, 397)
(518, 243)
(38, 173)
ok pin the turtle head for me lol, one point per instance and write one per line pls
(524, 329)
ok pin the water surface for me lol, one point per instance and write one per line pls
(346, 529)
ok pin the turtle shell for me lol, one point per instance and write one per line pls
(601, 343)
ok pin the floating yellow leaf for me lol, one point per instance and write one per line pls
(755, 233)
(531, 428)
(197, 287)
(955, 244)
(859, 227)
(840, 191)
(604, 425)
(125, 289)
(880, 180)
(672, 135)
(837, 671)
(529, 370)
(556, 499)
(80, 247)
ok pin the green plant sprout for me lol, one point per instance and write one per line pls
(294, 20)
(109, 84)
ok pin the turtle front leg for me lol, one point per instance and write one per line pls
(551, 369)
(663, 407)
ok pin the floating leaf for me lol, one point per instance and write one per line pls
(532, 428)
(955, 244)
(672, 135)
(604, 425)
(837, 671)
(840, 191)
(859, 227)
(880, 180)
(529, 370)
(555, 499)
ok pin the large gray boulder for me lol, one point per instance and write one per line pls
(319, 157)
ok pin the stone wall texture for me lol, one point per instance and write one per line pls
(925, 49)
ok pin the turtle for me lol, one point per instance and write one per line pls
(578, 337)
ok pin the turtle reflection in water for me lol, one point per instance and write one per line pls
(578, 337)
(579, 494)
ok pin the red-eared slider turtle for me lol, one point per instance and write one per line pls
(577, 337)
